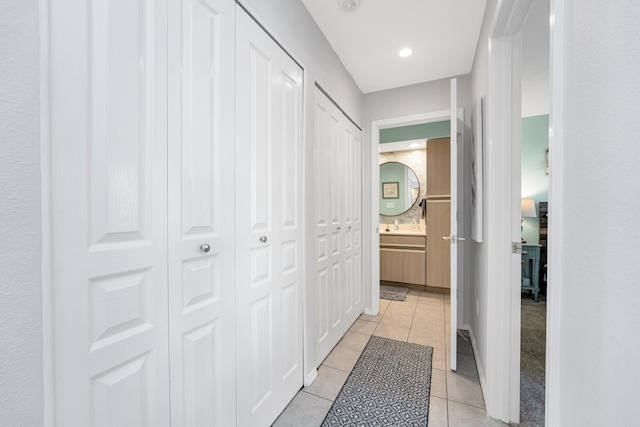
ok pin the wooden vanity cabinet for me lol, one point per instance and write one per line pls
(402, 259)
(438, 250)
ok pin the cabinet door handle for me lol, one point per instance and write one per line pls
(205, 248)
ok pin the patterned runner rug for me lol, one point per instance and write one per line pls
(389, 386)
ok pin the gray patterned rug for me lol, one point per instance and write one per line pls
(394, 293)
(389, 386)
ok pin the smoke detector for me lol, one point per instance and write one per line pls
(349, 5)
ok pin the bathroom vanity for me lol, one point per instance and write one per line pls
(403, 257)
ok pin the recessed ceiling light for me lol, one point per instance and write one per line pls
(405, 52)
(349, 5)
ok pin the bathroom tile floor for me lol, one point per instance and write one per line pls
(456, 398)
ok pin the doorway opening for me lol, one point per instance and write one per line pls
(534, 208)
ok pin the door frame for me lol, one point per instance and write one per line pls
(504, 118)
(374, 208)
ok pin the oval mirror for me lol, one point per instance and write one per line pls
(399, 188)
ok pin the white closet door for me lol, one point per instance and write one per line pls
(338, 286)
(327, 283)
(108, 212)
(269, 225)
(353, 237)
(201, 212)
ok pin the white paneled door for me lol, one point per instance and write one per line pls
(269, 225)
(201, 212)
(338, 225)
(108, 89)
(176, 215)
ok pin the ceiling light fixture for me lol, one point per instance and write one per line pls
(405, 52)
(414, 145)
(349, 5)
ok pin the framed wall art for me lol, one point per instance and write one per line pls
(477, 138)
(390, 190)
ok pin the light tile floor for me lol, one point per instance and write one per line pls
(456, 398)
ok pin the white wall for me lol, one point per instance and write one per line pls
(594, 205)
(21, 375)
(293, 27)
(479, 281)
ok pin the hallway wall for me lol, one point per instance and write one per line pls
(595, 187)
(21, 375)
(479, 286)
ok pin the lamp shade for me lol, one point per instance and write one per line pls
(528, 208)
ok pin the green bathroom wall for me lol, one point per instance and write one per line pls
(422, 131)
(535, 182)
(393, 172)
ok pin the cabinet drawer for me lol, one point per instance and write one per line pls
(413, 241)
(390, 240)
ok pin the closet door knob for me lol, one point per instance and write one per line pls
(263, 239)
(205, 248)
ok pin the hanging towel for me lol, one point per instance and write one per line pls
(423, 205)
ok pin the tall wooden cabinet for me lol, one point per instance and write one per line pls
(438, 250)
(438, 212)
(438, 168)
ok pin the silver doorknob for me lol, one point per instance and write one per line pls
(263, 239)
(446, 238)
(205, 248)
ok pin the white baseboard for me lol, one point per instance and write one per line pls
(481, 374)
(310, 377)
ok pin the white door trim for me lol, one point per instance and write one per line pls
(554, 245)
(371, 305)
(502, 391)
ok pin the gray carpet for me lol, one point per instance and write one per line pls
(389, 386)
(394, 293)
(532, 360)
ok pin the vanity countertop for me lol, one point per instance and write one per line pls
(403, 232)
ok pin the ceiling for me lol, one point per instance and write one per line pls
(443, 35)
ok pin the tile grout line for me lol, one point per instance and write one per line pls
(316, 395)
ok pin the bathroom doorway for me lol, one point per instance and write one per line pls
(407, 121)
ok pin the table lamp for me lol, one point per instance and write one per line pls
(527, 210)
